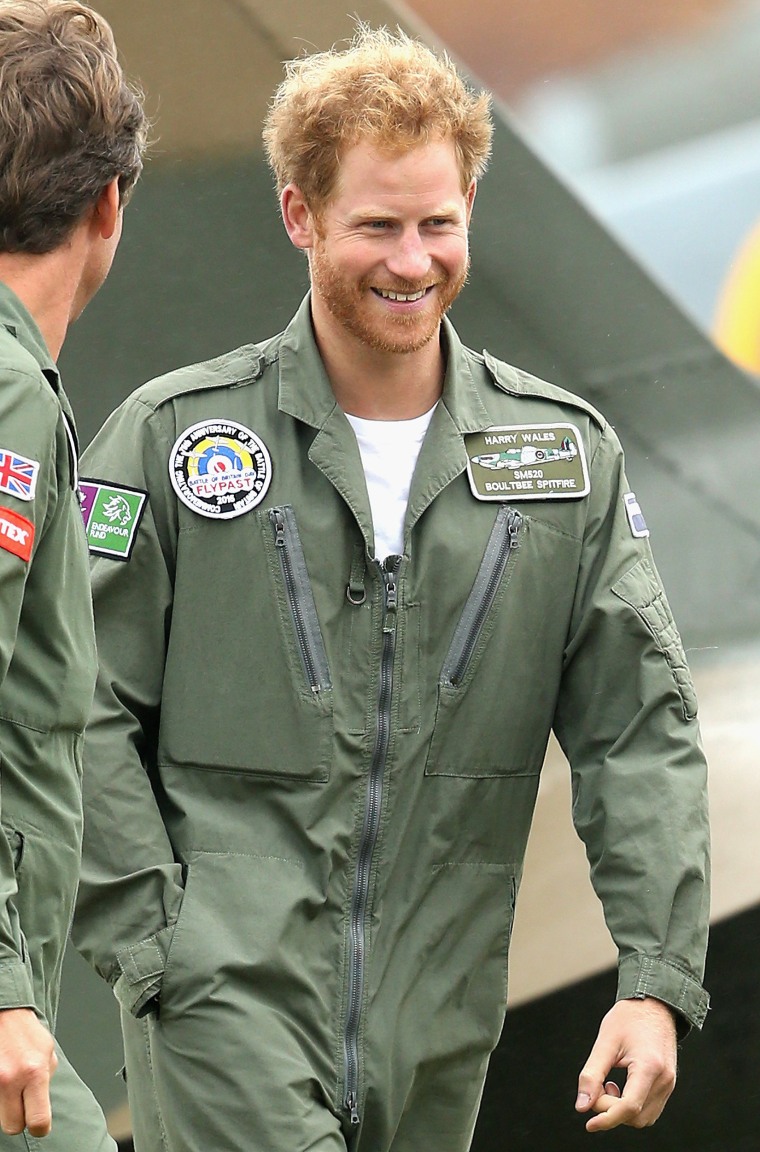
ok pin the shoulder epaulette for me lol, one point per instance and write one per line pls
(233, 369)
(19, 358)
(517, 382)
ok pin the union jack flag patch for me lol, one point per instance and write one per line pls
(18, 476)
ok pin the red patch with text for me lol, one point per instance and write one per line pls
(16, 534)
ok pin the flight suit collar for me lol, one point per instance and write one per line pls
(18, 320)
(305, 390)
(306, 393)
(461, 397)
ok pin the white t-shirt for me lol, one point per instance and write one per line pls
(389, 451)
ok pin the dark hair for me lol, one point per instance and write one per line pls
(69, 121)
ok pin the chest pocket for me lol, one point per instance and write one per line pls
(267, 702)
(497, 688)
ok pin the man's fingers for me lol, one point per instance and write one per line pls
(611, 1112)
(592, 1078)
(27, 1061)
(12, 1115)
(27, 1107)
(37, 1111)
(640, 1104)
(37, 1108)
(39, 1120)
(639, 1037)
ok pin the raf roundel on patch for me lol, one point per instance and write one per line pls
(220, 469)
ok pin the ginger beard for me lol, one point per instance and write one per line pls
(357, 308)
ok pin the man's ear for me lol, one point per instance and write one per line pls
(470, 197)
(297, 217)
(105, 215)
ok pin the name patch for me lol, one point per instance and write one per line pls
(527, 462)
(220, 469)
(111, 514)
(16, 534)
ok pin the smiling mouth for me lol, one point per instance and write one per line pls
(401, 297)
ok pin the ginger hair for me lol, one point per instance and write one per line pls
(385, 87)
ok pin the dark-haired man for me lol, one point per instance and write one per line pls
(72, 133)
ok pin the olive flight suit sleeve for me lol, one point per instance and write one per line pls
(626, 719)
(131, 887)
(32, 440)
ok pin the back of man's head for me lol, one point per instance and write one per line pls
(386, 88)
(69, 121)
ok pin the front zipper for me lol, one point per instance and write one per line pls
(300, 599)
(367, 841)
(502, 542)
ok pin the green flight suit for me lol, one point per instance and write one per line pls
(47, 675)
(310, 777)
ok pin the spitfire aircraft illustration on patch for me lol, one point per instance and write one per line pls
(527, 456)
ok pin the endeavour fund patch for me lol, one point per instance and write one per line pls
(527, 462)
(220, 469)
(111, 516)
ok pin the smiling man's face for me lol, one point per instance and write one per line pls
(390, 253)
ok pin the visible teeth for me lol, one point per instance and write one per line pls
(404, 297)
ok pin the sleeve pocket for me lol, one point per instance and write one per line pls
(641, 589)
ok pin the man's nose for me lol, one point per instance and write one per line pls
(409, 259)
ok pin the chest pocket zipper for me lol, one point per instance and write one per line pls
(504, 539)
(300, 599)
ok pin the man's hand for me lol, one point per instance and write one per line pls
(640, 1036)
(27, 1061)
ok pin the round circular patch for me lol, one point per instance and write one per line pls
(220, 469)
